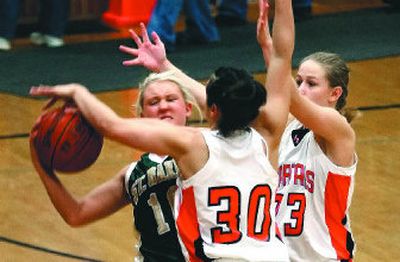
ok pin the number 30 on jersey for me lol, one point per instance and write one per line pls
(258, 213)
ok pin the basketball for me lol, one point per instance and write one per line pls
(65, 141)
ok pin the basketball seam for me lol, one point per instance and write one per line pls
(52, 127)
(84, 143)
(60, 136)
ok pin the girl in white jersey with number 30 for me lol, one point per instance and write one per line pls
(226, 209)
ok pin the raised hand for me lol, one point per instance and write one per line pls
(264, 38)
(150, 55)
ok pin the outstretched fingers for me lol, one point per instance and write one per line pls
(149, 54)
(131, 51)
(135, 38)
(157, 41)
(145, 35)
(132, 62)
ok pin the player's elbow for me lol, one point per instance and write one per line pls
(75, 216)
(74, 223)
(74, 220)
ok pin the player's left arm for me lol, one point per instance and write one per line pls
(273, 116)
(102, 201)
(152, 55)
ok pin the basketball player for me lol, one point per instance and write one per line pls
(225, 206)
(147, 184)
(317, 163)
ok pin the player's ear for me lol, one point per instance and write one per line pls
(213, 112)
(335, 93)
(189, 109)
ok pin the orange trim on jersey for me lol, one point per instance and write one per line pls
(187, 224)
(336, 195)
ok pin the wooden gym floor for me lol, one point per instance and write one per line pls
(31, 229)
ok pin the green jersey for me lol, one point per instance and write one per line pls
(151, 184)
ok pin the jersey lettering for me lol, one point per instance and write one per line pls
(298, 201)
(296, 174)
(258, 217)
(162, 172)
(155, 175)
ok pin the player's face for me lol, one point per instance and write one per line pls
(164, 100)
(313, 84)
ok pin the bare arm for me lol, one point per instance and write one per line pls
(153, 57)
(274, 114)
(335, 136)
(338, 142)
(99, 203)
(148, 135)
(264, 38)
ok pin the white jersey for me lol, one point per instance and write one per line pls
(226, 210)
(313, 199)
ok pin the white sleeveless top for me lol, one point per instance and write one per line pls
(313, 199)
(226, 210)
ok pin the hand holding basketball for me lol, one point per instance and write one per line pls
(65, 141)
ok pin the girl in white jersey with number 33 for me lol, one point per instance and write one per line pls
(317, 164)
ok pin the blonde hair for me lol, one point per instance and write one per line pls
(165, 76)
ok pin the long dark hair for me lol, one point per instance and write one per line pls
(237, 96)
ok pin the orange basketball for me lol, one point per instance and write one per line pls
(65, 141)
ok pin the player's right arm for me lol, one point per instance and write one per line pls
(102, 201)
(145, 134)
